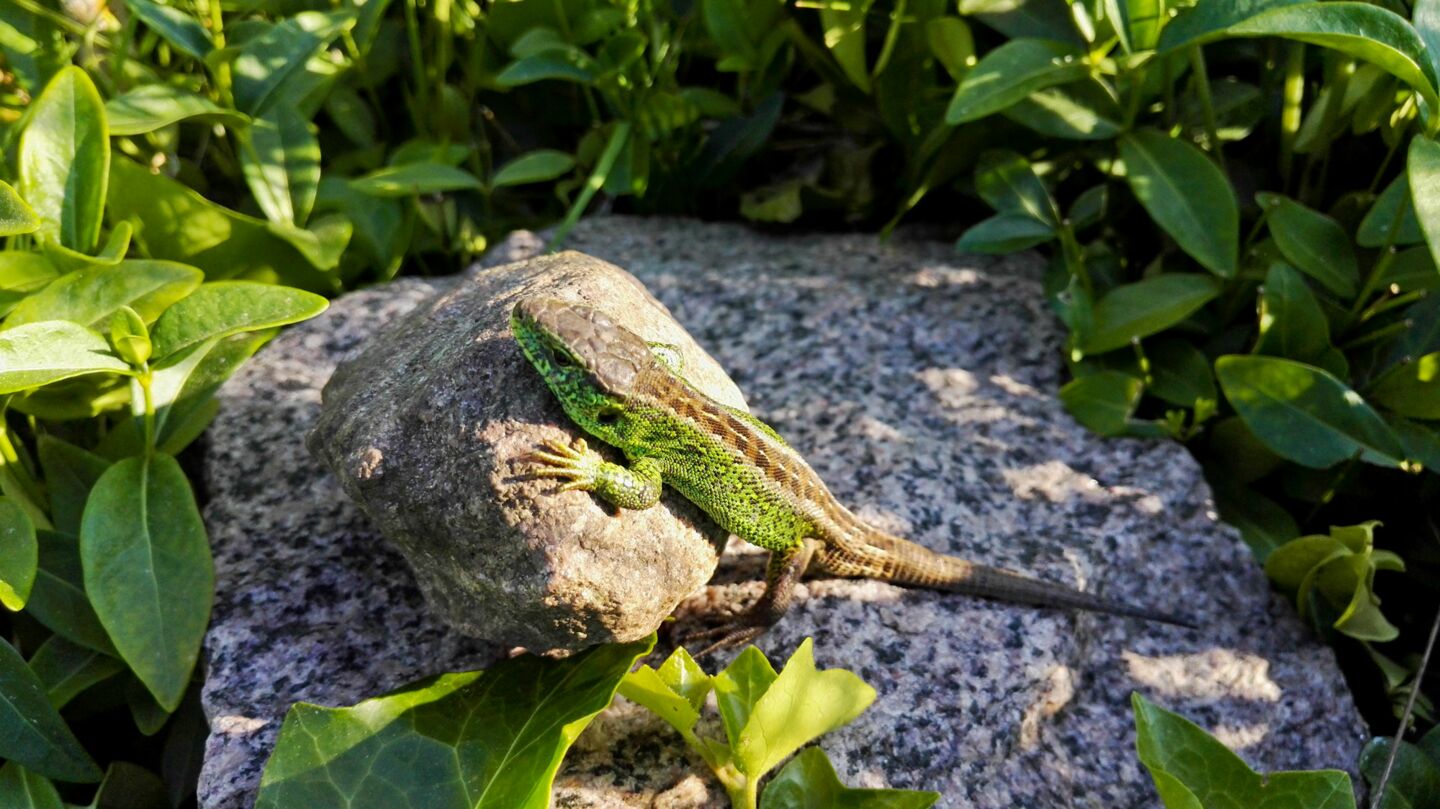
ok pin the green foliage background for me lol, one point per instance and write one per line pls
(1239, 202)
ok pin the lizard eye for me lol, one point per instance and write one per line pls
(607, 418)
(561, 360)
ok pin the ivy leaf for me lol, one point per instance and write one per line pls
(479, 740)
(1187, 195)
(798, 706)
(1192, 769)
(1414, 781)
(809, 782)
(1304, 413)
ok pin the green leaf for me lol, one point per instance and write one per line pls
(1410, 389)
(264, 64)
(21, 273)
(479, 740)
(1423, 169)
(1012, 72)
(1187, 195)
(1304, 413)
(800, 705)
(952, 45)
(1006, 181)
(412, 179)
(65, 669)
(91, 297)
(1292, 324)
(1103, 401)
(15, 216)
(809, 782)
(1414, 780)
(22, 789)
(1179, 373)
(1137, 22)
(65, 160)
(128, 336)
(565, 65)
(1078, 111)
(66, 260)
(1313, 242)
(322, 243)
(1131, 311)
(184, 33)
(739, 687)
(1004, 233)
(154, 106)
(1393, 201)
(843, 27)
(150, 717)
(32, 734)
(675, 692)
(1192, 769)
(224, 308)
(19, 555)
(280, 156)
(148, 570)
(37, 354)
(1425, 14)
(538, 166)
(1263, 523)
(130, 786)
(58, 599)
(1205, 22)
(70, 472)
(180, 225)
(1341, 568)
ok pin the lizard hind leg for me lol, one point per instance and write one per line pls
(782, 573)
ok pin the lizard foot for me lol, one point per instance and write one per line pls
(574, 463)
(729, 636)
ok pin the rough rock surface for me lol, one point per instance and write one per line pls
(920, 384)
(427, 431)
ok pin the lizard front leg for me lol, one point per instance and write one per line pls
(635, 487)
(782, 573)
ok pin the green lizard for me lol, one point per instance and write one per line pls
(630, 394)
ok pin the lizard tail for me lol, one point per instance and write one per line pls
(906, 563)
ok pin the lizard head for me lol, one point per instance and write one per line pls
(591, 363)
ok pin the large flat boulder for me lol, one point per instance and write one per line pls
(920, 384)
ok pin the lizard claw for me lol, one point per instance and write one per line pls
(575, 463)
(728, 636)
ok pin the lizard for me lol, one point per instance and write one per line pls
(630, 394)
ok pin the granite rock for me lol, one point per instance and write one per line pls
(428, 430)
(920, 384)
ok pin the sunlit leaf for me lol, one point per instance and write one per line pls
(40, 353)
(1131, 311)
(154, 106)
(64, 160)
(1187, 195)
(1011, 72)
(809, 782)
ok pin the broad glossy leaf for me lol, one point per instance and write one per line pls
(19, 555)
(1425, 15)
(1313, 242)
(16, 217)
(32, 734)
(21, 273)
(113, 252)
(1179, 373)
(70, 472)
(1304, 413)
(1131, 311)
(1012, 72)
(1004, 233)
(1187, 195)
(809, 782)
(1394, 200)
(412, 179)
(65, 669)
(1423, 170)
(224, 308)
(1414, 779)
(739, 687)
(184, 33)
(58, 598)
(843, 29)
(322, 243)
(538, 166)
(22, 789)
(37, 354)
(478, 740)
(800, 705)
(1192, 769)
(180, 225)
(564, 65)
(280, 156)
(1292, 324)
(1006, 181)
(1205, 22)
(91, 297)
(65, 160)
(1043, 19)
(148, 570)
(675, 692)
(1078, 111)
(1422, 442)
(382, 227)
(1411, 389)
(149, 716)
(265, 63)
(1411, 269)
(154, 106)
(1137, 22)
(1103, 401)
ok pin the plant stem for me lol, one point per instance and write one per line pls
(1294, 95)
(144, 378)
(1207, 105)
(1379, 792)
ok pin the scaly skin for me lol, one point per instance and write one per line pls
(629, 394)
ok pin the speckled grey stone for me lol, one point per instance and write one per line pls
(428, 431)
(920, 384)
